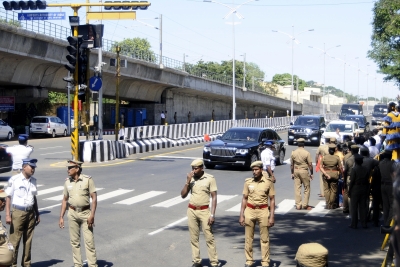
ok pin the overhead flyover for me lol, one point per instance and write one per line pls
(34, 61)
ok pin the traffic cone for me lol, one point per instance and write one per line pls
(207, 138)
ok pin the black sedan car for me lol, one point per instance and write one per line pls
(361, 121)
(5, 160)
(241, 147)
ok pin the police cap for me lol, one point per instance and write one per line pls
(332, 146)
(332, 139)
(197, 163)
(23, 137)
(257, 163)
(268, 143)
(354, 147)
(30, 162)
(301, 140)
(74, 163)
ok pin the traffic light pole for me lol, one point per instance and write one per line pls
(100, 113)
(74, 133)
(87, 92)
(117, 94)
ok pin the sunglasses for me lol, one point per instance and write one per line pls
(196, 168)
(71, 167)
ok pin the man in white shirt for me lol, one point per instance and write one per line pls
(373, 150)
(19, 152)
(377, 139)
(162, 118)
(22, 211)
(268, 160)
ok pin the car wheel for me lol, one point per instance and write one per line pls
(9, 136)
(290, 143)
(253, 158)
(209, 166)
(281, 158)
(65, 133)
(53, 134)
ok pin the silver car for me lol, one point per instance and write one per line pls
(48, 125)
(6, 132)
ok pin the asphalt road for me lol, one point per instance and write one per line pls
(141, 219)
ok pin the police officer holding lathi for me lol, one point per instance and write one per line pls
(78, 189)
(300, 165)
(201, 185)
(331, 166)
(254, 209)
(22, 211)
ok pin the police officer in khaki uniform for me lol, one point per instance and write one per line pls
(322, 151)
(22, 211)
(201, 185)
(331, 166)
(255, 210)
(300, 163)
(78, 189)
(6, 248)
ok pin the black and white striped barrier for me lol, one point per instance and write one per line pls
(91, 133)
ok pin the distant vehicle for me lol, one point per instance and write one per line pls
(380, 111)
(6, 132)
(309, 127)
(48, 125)
(5, 160)
(240, 147)
(346, 129)
(350, 109)
(361, 120)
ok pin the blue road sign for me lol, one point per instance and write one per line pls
(95, 83)
(42, 16)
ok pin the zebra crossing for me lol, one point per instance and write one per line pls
(48, 198)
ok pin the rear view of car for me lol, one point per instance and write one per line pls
(6, 132)
(47, 125)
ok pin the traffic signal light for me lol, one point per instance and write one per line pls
(82, 93)
(72, 50)
(24, 5)
(133, 6)
(92, 33)
(82, 66)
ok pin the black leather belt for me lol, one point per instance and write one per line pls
(79, 209)
(23, 208)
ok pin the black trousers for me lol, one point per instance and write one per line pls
(387, 203)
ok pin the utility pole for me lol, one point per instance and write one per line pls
(161, 62)
(244, 72)
(297, 88)
(117, 95)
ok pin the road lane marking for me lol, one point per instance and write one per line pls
(55, 153)
(318, 210)
(167, 153)
(236, 208)
(50, 190)
(173, 157)
(171, 202)
(62, 164)
(50, 207)
(60, 197)
(168, 226)
(139, 198)
(284, 206)
(50, 147)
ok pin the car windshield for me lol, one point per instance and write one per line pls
(39, 120)
(380, 111)
(240, 135)
(359, 120)
(341, 126)
(311, 122)
(346, 111)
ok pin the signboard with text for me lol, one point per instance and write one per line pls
(42, 16)
(7, 103)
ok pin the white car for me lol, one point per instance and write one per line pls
(346, 129)
(6, 132)
(48, 125)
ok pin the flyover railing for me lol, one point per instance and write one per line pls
(61, 32)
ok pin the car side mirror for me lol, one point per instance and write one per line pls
(291, 123)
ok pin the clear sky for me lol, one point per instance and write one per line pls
(197, 29)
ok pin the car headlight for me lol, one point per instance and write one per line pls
(315, 131)
(291, 130)
(207, 149)
(242, 151)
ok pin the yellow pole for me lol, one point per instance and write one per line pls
(117, 95)
(385, 240)
(74, 133)
(87, 106)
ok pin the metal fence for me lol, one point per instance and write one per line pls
(61, 32)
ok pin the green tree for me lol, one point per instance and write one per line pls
(136, 48)
(15, 23)
(57, 98)
(385, 41)
(286, 79)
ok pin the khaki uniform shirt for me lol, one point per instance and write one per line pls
(78, 192)
(346, 157)
(340, 155)
(201, 189)
(258, 192)
(323, 150)
(331, 165)
(300, 159)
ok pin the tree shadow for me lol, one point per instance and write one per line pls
(206, 262)
(347, 247)
(46, 263)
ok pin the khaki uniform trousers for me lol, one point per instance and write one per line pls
(76, 221)
(321, 184)
(331, 186)
(197, 218)
(301, 177)
(6, 255)
(22, 226)
(251, 218)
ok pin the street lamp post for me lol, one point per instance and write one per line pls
(324, 51)
(293, 38)
(244, 72)
(367, 88)
(233, 10)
